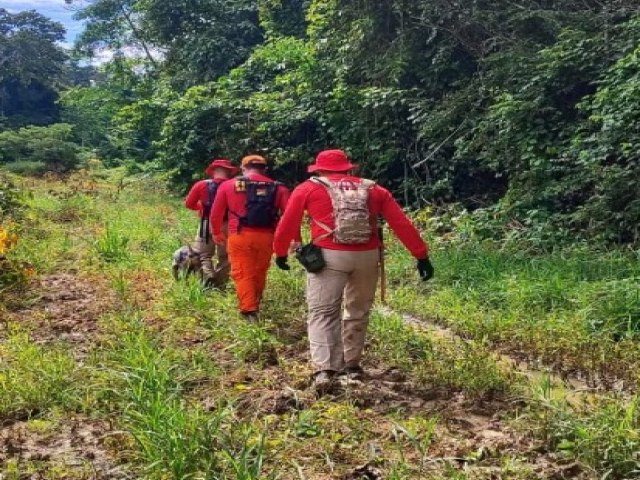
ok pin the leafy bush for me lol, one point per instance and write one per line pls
(11, 197)
(27, 168)
(28, 148)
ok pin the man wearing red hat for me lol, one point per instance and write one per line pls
(200, 199)
(253, 203)
(344, 210)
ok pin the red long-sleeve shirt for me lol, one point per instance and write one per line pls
(199, 195)
(315, 200)
(230, 202)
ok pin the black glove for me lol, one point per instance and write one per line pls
(282, 264)
(425, 269)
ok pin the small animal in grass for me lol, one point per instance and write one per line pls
(186, 261)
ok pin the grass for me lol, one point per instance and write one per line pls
(435, 361)
(192, 391)
(33, 378)
(573, 310)
(171, 436)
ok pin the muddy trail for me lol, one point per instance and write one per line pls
(570, 385)
(65, 308)
(572, 388)
(106, 325)
(473, 435)
(61, 309)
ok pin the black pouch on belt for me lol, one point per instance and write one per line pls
(311, 258)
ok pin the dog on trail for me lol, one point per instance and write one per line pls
(186, 261)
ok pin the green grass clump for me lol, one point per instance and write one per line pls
(438, 361)
(113, 245)
(569, 309)
(35, 378)
(604, 434)
(172, 434)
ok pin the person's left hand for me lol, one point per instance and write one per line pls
(282, 263)
(425, 269)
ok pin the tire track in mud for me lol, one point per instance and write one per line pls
(571, 388)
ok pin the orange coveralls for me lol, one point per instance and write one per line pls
(249, 248)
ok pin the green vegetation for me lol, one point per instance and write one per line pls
(34, 150)
(34, 379)
(511, 128)
(520, 113)
(187, 389)
(575, 310)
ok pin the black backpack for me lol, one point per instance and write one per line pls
(261, 203)
(212, 190)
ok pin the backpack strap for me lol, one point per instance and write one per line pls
(241, 184)
(212, 190)
(329, 231)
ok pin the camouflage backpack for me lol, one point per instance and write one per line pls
(350, 202)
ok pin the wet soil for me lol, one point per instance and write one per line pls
(61, 308)
(65, 308)
(77, 446)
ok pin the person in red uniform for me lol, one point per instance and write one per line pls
(253, 203)
(350, 276)
(200, 199)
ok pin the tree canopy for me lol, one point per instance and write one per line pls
(32, 68)
(521, 112)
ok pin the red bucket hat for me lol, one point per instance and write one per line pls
(222, 163)
(331, 161)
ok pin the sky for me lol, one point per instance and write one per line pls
(54, 9)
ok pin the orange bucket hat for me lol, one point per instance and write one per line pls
(254, 160)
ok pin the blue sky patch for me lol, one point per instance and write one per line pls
(57, 10)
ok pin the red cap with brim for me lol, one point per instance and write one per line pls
(222, 163)
(331, 161)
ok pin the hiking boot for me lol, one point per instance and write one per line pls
(355, 374)
(209, 283)
(250, 317)
(323, 380)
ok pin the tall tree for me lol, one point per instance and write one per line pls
(203, 39)
(32, 68)
(197, 40)
(113, 24)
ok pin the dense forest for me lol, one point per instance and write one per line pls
(522, 114)
(508, 129)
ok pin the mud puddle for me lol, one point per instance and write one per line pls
(66, 308)
(79, 447)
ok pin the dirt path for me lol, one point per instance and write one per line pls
(62, 309)
(65, 307)
(472, 435)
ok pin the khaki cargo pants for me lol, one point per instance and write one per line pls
(339, 299)
(218, 273)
